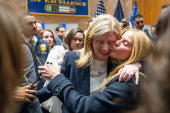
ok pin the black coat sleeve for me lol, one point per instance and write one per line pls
(116, 97)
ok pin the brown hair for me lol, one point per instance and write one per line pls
(157, 99)
(162, 24)
(54, 41)
(11, 57)
(70, 36)
(166, 6)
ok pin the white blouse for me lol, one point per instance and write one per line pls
(98, 74)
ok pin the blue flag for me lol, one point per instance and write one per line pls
(100, 9)
(118, 12)
(134, 12)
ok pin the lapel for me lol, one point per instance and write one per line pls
(83, 80)
(37, 45)
(110, 67)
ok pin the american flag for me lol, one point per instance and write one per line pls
(100, 9)
(134, 12)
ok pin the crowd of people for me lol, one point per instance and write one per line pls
(108, 68)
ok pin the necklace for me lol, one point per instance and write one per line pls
(101, 66)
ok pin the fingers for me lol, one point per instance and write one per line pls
(27, 87)
(31, 91)
(44, 71)
(27, 95)
(43, 67)
(30, 96)
(129, 76)
(122, 74)
(27, 99)
(128, 71)
(49, 71)
(120, 70)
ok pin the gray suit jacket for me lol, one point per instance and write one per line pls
(34, 106)
(29, 66)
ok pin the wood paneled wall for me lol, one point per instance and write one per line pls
(150, 9)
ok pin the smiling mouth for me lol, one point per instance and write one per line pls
(76, 46)
(104, 53)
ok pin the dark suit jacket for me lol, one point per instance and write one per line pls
(38, 36)
(117, 97)
(79, 77)
(147, 33)
(42, 55)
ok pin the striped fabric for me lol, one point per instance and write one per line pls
(100, 9)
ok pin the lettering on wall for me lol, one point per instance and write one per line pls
(59, 7)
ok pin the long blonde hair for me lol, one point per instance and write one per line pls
(142, 46)
(102, 24)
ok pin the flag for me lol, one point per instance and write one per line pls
(134, 12)
(100, 9)
(118, 12)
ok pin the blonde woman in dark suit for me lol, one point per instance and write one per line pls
(114, 97)
(90, 66)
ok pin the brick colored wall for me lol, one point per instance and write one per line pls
(110, 6)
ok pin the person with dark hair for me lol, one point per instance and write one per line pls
(138, 22)
(73, 41)
(25, 93)
(88, 24)
(165, 7)
(39, 48)
(48, 36)
(39, 28)
(124, 24)
(60, 30)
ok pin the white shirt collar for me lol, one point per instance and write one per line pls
(27, 39)
(136, 29)
(35, 39)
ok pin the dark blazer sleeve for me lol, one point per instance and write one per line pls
(44, 94)
(69, 63)
(116, 97)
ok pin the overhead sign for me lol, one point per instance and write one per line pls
(58, 7)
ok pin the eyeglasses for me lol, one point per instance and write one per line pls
(36, 82)
(138, 22)
(75, 40)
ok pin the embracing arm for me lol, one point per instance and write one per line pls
(44, 94)
(115, 97)
(129, 70)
